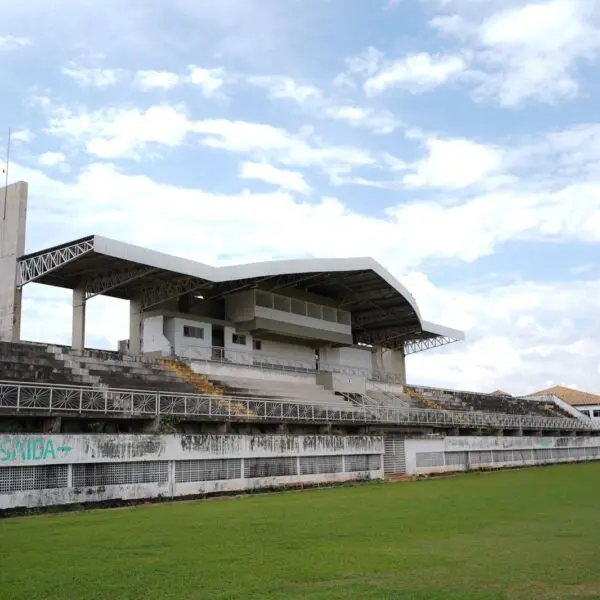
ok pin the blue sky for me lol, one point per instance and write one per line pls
(456, 141)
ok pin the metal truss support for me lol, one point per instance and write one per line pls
(385, 336)
(414, 346)
(153, 295)
(373, 317)
(226, 289)
(368, 295)
(101, 285)
(33, 268)
(286, 281)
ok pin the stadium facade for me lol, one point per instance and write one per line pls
(278, 373)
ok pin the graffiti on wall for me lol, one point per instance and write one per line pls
(30, 449)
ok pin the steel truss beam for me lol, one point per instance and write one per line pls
(376, 294)
(101, 285)
(370, 318)
(414, 346)
(153, 295)
(33, 268)
(385, 336)
(285, 281)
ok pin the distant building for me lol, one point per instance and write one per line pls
(586, 403)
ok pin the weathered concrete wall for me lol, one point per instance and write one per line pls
(390, 361)
(339, 382)
(216, 370)
(13, 216)
(38, 471)
(439, 455)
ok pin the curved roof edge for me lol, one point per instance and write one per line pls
(152, 258)
(308, 265)
(443, 331)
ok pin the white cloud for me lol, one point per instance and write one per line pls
(580, 269)
(257, 139)
(536, 48)
(366, 63)
(51, 159)
(455, 164)
(284, 87)
(133, 133)
(415, 73)
(93, 76)
(11, 42)
(523, 336)
(378, 121)
(149, 80)
(287, 180)
(529, 51)
(121, 133)
(210, 81)
(22, 135)
(453, 25)
(315, 101)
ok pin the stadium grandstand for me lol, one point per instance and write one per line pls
(307, 356)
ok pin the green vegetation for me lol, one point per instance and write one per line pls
(516, 535)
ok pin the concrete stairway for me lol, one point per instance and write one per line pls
(387, 399)
(284, 391)
(202, 385)
(422, 401)
(103, 370)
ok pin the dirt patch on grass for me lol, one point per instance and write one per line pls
(542, 590)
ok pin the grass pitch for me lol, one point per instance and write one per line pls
(520, 535)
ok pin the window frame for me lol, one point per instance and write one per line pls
(190, 329)
(240, 337)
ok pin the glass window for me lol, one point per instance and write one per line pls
(193, 332)
(238, 338)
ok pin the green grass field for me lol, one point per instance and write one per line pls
(520, 535)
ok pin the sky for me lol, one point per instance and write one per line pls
(455, 141)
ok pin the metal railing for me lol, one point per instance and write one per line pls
(389, 396)
(31, 398)
(256, 359)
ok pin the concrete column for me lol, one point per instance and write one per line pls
(13, 217)
(78, 333)
(135, 327)
(52, 425)
(151, 426)
(391, 361)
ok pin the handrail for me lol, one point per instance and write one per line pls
(389, 395)
(256, 359)
(47, 398)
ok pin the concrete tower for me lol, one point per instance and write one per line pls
(13, 217)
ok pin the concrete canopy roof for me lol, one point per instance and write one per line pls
(383, 311)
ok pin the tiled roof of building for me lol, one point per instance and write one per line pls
(570, 396)
(501, 393)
